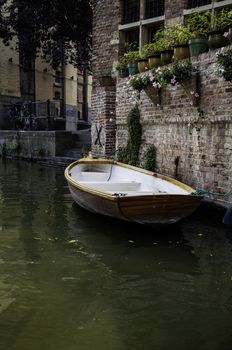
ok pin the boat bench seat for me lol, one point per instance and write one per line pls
(94, 176)
(124, 186)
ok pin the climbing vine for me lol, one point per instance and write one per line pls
(150, 158)
(130, 153)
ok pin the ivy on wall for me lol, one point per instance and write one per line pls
(130, 153)
(150, 158)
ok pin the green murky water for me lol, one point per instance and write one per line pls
(70, 280)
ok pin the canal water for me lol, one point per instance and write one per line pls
(71, 280)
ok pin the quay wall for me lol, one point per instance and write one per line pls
(34, 144)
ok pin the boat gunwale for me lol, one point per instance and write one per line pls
(115, 197)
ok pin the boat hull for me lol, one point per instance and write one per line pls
(148, 210)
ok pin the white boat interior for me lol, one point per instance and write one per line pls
(116, 179)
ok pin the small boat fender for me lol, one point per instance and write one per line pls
(227, 220)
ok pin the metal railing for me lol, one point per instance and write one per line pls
(34, 115)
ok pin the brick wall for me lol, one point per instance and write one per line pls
(103, 126)
(175, 127)
(107, 16)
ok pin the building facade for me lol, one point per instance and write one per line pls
(201, 141)
(65, 89)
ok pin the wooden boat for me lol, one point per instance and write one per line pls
(125, 192)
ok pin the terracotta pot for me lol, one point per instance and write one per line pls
(166, 56)
(181, 52)
(142, 65)
(216, 39)
(154, 60)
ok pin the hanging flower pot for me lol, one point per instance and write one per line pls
(154, 94)
(166, 56)
(181, 51)
(142, 65)
(216, 39)
(154, 60)
(198, 46)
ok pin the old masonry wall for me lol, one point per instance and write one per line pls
(200, 134)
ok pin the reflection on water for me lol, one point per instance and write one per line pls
(72, 280)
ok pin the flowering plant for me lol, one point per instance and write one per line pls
(161, 76)
(139, 82)
(178, 72)
(224, 61)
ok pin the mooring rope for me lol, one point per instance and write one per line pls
(201, 192)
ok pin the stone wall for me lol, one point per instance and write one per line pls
(34, 144)
(200, 135)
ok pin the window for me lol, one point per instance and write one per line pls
(132, 38)
(57, 95)
(58, 77)
(154, 8)
(151, 30)
(131, 10)
(196, 3)
(140, 21)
